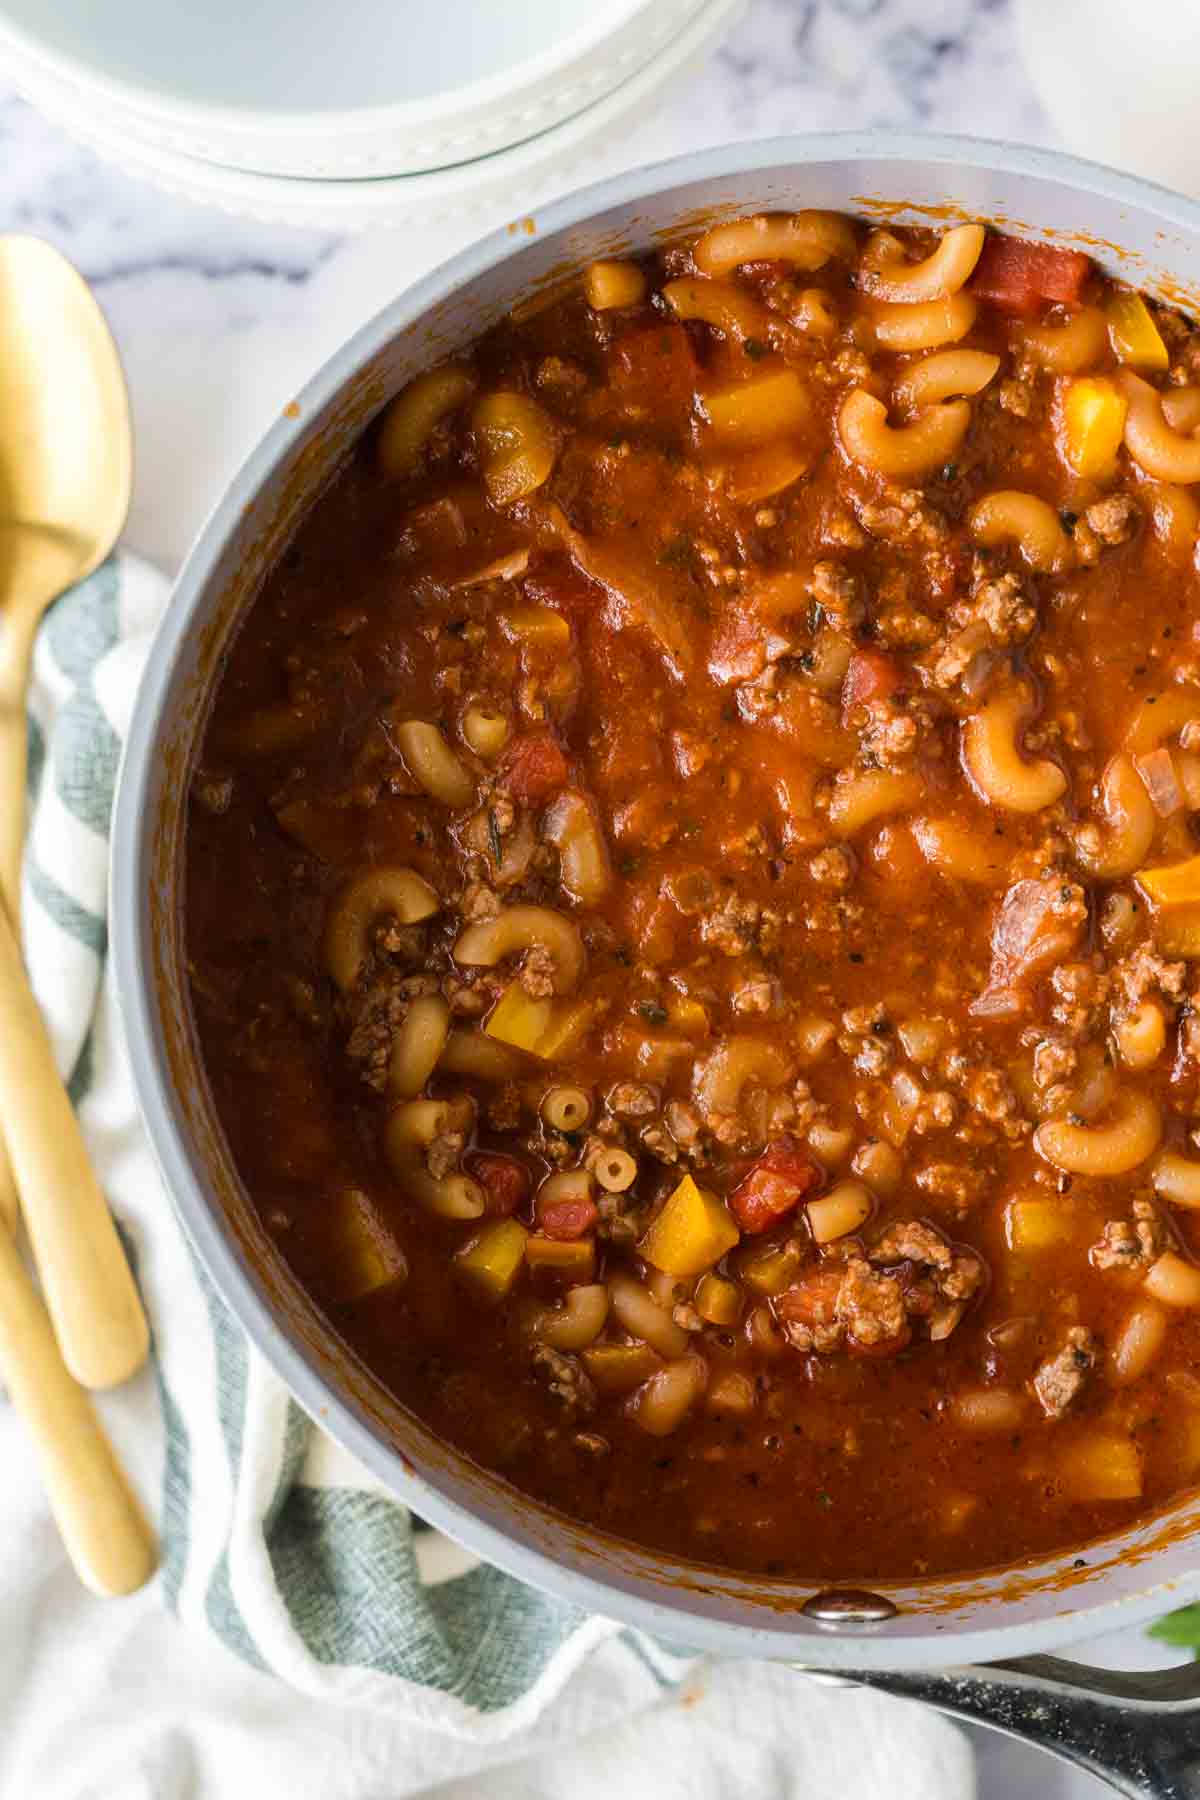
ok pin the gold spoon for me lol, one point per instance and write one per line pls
(65, 463)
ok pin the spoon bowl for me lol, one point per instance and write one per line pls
(66, 471)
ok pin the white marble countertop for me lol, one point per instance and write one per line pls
(219, 319)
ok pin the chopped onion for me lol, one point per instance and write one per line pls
(505, 568)
(996, 1003)
(1157, 771)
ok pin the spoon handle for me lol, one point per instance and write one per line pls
(90, 1293)
(105, 1532)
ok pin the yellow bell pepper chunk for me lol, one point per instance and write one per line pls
(518, 1019)
(566, 1030)
(755, 412)
(537, 625)
(1036, 1225)
(1177, 884)
(362, 1261)
(1177, 933)
(492, 1261)
(691, 1233)
(572, 1258)
(718, 1301)
(687, 1016)
(1093, 425)
(1134, 336)
(770, 1270)
(619, 1368)
(1104, 1466)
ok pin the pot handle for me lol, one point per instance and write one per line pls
(1137, 1730)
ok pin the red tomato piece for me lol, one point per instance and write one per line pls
(1019, 277)
(812, 1300)
(505, 1182)
(774, 1186)
(560, 585)
(739, 647)
(871, 675)
(534, 767)
(655, 366)
(564, 1219)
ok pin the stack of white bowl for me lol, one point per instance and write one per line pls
(367, 112)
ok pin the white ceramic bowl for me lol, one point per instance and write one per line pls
(299, 88)
(508, 181)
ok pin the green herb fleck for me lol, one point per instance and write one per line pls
(755, 349)
(652, 1012)
(1181, 1628)
(629, 865)
(824, 1499)
(950, 472)
(494, 838)
(689, 827)
(1070, 519)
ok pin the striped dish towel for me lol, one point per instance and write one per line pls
(276, 1543)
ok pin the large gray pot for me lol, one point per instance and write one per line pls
(1131, 227)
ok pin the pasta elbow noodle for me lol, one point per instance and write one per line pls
(485, 731)
(518, 445)
(958, 851)
(1174, 1281)
(900, 451)
(1130, 1135)
(609, 284)
(414, 414)
(722, 304)
(871, 794)
(1008, 516)
(1164, 454)
(944, 375)
(386, 892)
(579, 1321)
(571, 826)
(1159, 717)
(733, 1064)
(1123, 845)
(1176, 1179)
(927, 325)
(518, 928)
(417, 1045)
(433, 763)
(941, 274)
(474, 1053)
(1070, 348)
(410, 1129)
(806, 240)
(995, 764)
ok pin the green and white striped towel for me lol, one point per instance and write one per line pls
(275, 1541)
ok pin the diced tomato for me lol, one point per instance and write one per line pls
(505, 1182)
(534, 767)
(655, 366)
(871, 676)
(1019, 277)
(560, 585)
(774, 1187)
(739, 647)
(565, 1219)
(812, 1300)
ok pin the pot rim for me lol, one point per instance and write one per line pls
(131, 925)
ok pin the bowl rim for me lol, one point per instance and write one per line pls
(588, 41)
(130, 927)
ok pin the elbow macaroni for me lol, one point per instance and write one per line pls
(1131, 1135)
(1007, 516)
(519, 928)
(901, 452)
(377, 894)
(994, 761)
(806, 240)
(941, 274)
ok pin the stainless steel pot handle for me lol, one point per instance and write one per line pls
(1138, 1731)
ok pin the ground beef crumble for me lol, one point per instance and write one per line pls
(568, 1381)
(1060, 1378)
(1131, 1243)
